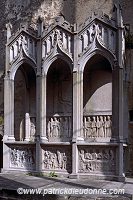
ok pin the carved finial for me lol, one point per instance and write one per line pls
(60, 19)
(40, 26)
(9, 29)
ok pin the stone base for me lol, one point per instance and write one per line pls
(73, 176)
(43, 139)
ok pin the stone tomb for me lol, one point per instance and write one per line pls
(63, 107)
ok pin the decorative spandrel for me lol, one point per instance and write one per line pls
(57, 158)
(22, 157)
(97, 126)
(95, 35)
(24, 42)
(57, 38)
(97, 160)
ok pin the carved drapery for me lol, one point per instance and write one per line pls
(59, 127)
(97, 126)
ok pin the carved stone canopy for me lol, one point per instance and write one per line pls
(73, 42)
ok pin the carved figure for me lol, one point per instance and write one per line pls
(96, 160)
(55, 127)
(108, 125)
(59, 158)
(101, 125)
(32, 130)
(106, 154)
(99, 31)
(92, 33)
(82, 157)
(94, 127)
(88, 127)
(64, 161)
(22, 158)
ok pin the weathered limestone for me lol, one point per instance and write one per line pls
(75, 133)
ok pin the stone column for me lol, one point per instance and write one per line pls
(117, 116)
(8, 109)
(41, 118)
(77, 119)
(27, 127)
(77, 106)
(43, 108)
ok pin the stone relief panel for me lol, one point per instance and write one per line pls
(58, 37)
(105, 36)
(97, 160)
(97, 126)
(22, 157)
(25, 42)
(57, 158)
(59, 128)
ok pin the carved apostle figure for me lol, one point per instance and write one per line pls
(49, 127)
(94, 127)
(88, 128)
(56, 127)
(108, 125)
(98, 124)
(101, 127)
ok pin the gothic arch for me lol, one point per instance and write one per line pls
(48, 63)
(16, 66)
(108, 56)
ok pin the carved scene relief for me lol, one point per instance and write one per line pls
(22, 157)
(97, 126)
(97, 160)
(59, 127)
(57, 158)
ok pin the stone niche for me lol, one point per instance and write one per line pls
(22, 157)
(59, 102)
(97, 159)
(97, 87)
(57, 158)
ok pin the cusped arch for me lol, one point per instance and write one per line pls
(49, 62)
(16, 66)
(105, 54)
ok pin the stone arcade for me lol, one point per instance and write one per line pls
(63, 91)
